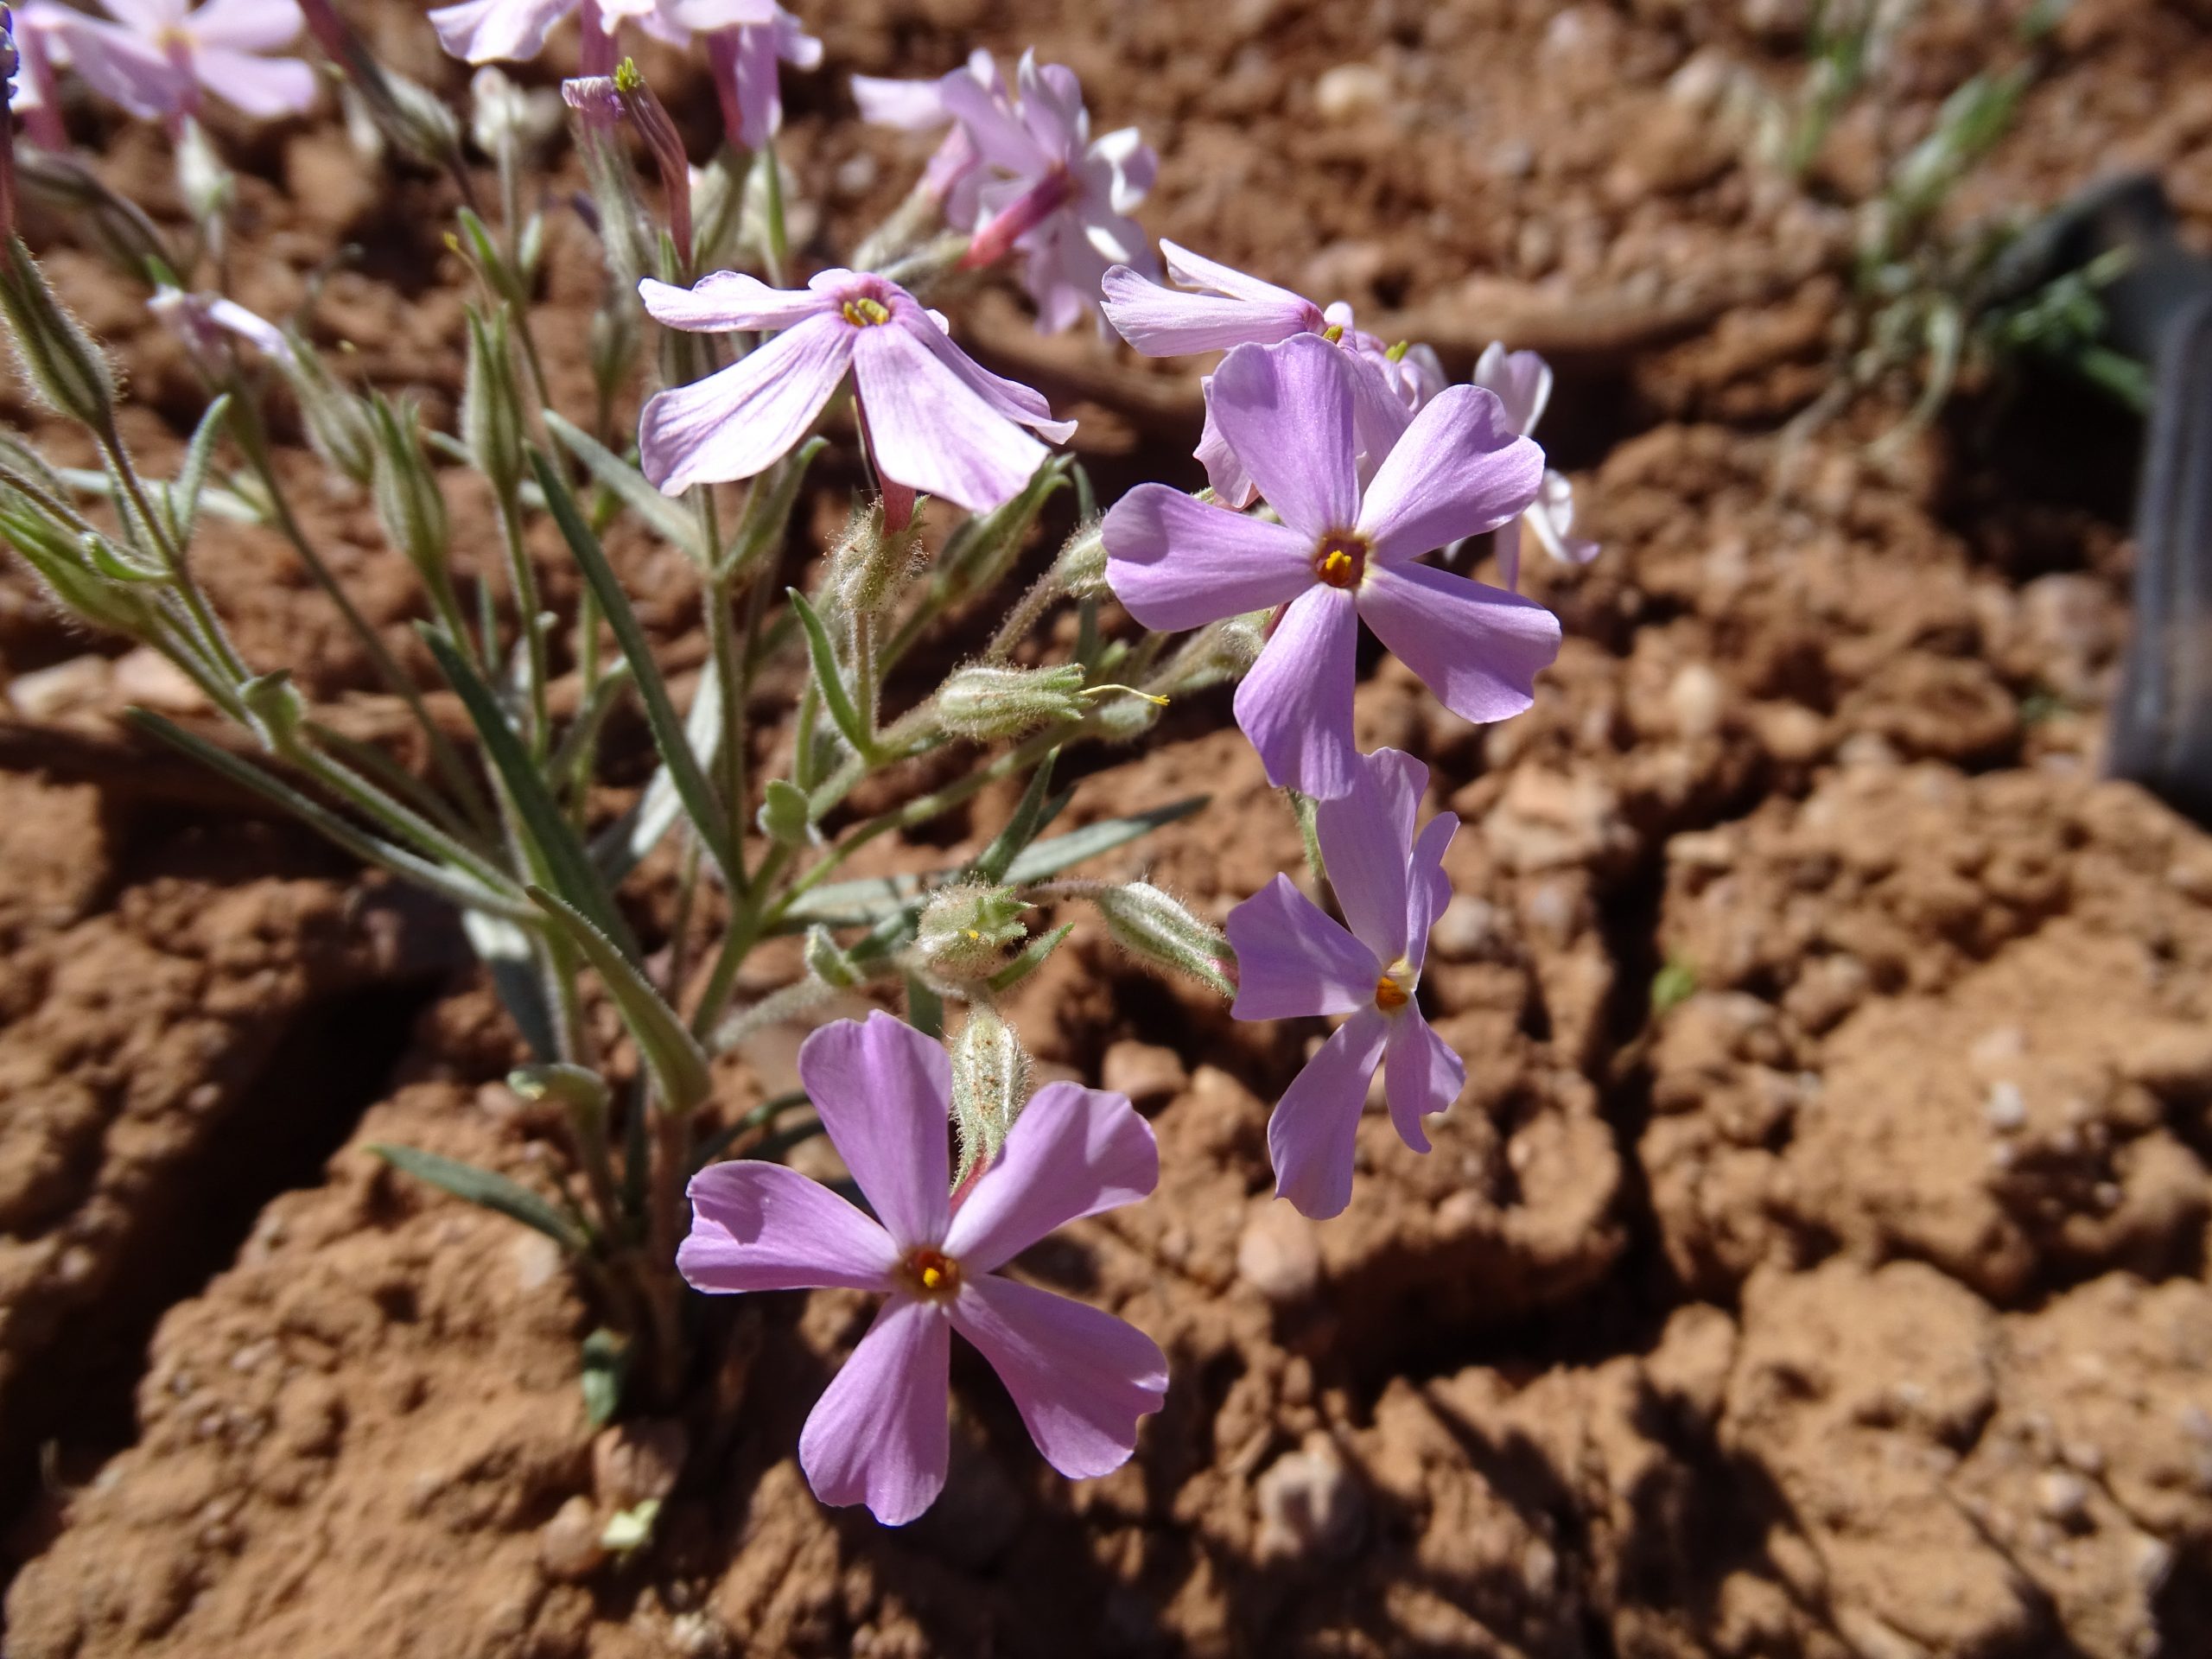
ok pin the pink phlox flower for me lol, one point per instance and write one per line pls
(488, 31)
(935, 420)
(953, 178)
(206, 324)
(1060, 196)
(1345, 549)
(1293, 959)
(745, 58)
(158, 57)
(1522, 381)
(1217, 309)
(1080, 1377)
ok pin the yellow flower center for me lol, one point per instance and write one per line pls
(1396, 987)
(864, 313)
(1334, 334)
(1341, 559)
(931, 1273)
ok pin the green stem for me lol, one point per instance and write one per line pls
(522, 578)
(172, 555)
(772, 194)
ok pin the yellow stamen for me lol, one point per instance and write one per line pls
(1340, 559)
(865, 313)
(1334, 334)
(932, 1272)
(1390, 995)
(1397, 353)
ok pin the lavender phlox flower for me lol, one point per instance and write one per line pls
(486, 31)
(1218, 307)
(1522, 381)
(1345, 549)
(935, 420)
(206, 324)
(1061, 198)
(953, 178)
(31, 73)
(158, 57)
(1080, 1377)
(1293, 959)
(744, 57)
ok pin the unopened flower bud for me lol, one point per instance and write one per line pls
(583, 1092)
(1223, 651)
(986, 703)
(1082, 564)
(339, 425)
(990, 1085)
(870, 563)
(208, 187)
(1155, 927)
(964, 932)
(276, 706)
(64, 366)
(502, 119)
(828, 961)
(51, 549)
(786, 816)
(406, 493)
(491, 404)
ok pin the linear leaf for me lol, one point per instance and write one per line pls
(700, 802)
(486, 1188)
(659, 514)
(567, 864)
(192, 477)
(868, 899)
(678, 1063)
(623, 845)
(835, 692)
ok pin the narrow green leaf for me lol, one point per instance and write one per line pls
(486, 1188)
(452, 885)
(559, 849)
(678, 1063)
(924, 1008)
(1020, 828)
(623, 845)
(864, 902)
(760, 1118)
(700, 802)
(835, 693)
(1049, 857)
(1030, 960)
(762, 530)
(509, 956)
(192, 477)
(658, 512)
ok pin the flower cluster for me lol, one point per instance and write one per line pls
(1346, 474)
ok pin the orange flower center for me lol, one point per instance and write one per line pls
(1341, 559)
(1390, 995)
(931, 1273)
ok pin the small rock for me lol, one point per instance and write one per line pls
(567, 1546)
(145, 677)
(1309, 1505)
(46, 692)
(1149, 1074)
(2062, 1496)
(1466, 929)
(2005, 1109)
(1350, 90)
(2176, 1063)
(1280, 1254)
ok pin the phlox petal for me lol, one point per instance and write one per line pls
(1293, 959)
(878, 1435)
(1522, 381)
(1427, 888)
(741, 420)
(1421, 1076)
(1365, 835)
(1553, 520)
(1295, 704)
(1458, 471)
(259, 87)
(1073, 1151)
(1080, 1377)
(933, 431)
(1479, 649)
(885, 1093)
(760, 1226)
(481, 31)
(1312, 1131)
(1287, 409)
(1175, 563)
(723, 301)
(247, 25)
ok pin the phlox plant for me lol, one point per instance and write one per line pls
(1343, 466)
